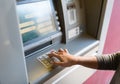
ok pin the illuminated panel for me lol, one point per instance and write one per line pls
(36, 20)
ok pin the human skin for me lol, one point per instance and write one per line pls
(67, 59)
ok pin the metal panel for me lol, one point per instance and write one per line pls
(12, 62)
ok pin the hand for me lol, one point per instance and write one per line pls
(65, 58)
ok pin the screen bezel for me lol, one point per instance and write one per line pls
(28, 45)
(27, 1)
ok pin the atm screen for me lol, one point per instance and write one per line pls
(36, 20)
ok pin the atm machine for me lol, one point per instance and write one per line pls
(46, 25)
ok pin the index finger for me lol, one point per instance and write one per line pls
(53, 54)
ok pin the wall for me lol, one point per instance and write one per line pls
(94, 15)
(112, 44)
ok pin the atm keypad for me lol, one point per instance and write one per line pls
(46, 61)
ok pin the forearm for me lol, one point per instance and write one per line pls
(90, 62)
(108, 62)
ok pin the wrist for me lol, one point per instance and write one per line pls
(76, 60)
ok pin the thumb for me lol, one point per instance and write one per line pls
(59, 63)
